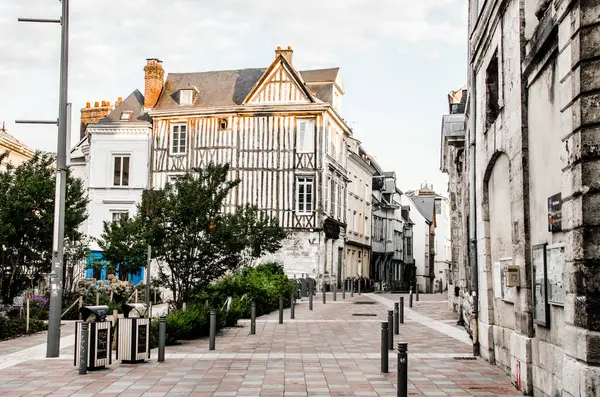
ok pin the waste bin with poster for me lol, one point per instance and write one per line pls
(99, 352)
(133, 340)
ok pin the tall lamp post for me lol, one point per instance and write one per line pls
(56, 272)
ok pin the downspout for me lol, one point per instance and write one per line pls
(473, 209)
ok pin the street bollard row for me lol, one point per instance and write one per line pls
(417, 291)
(390, 329)
(396, 318)
(162, 335)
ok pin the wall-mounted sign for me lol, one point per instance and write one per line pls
(541, 309)
(555, 261)
(555, 213)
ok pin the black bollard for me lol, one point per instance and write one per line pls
(396, 319)
(324, 295)
(310, 299)
(212, 330)
(293, 303)
(335, 292)
(390, 329)
(352, 288)
(417, 292)
(344, 289)
(253, 318)
(162, 336)
(401, 310)
(402, 370)
(359, 283)
(83, 348)
(281, 310)
(410, 298)
(384, 348)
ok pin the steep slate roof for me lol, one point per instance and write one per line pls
(424, 204)
(133, 103)
(226, 87)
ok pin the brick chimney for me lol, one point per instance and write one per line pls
(287, 53)
(154, 78)
(90, 115)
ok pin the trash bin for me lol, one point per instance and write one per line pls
(100, 331)
(133, 341)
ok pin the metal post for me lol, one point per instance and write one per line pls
(401, 310)
(402, 370)
(253, 318)
(410, 298)
(281, 310)
(293, 303)
(384, 347)
(359, 283)
(83, 348)
(148, 262)
(310, 299)
(162, 335)
(324, 296)
(352, 288)
(417, 291)
(391, 326)
(213, 329)
(335, 291)
(56, 281)
(344, 289)
(396, 318)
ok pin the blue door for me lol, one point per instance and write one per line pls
(134, 278)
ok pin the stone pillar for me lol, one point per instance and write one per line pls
(579, 49)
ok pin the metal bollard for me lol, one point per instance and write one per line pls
(335, 292)
(344, 290)
(293, 303)
(352, 288)
(417, 291)
(281, 310)
(162, 335)
(310, 299)
(359, 286)
(402, 370)
(213, 330)
(384, 347)
(253, 318)
(401, 310)
(324, 295)
(396, 319)
(410, 298)
(391, 326)
(83, 348)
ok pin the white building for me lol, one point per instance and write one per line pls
(442, 244)
(112, 160)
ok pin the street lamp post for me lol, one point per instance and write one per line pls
(56, 273)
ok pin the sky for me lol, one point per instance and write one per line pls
(398, 58)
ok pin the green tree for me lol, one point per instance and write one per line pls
(193, 239)
(123, 246)
(27, 221)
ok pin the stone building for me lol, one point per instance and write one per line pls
(16, 151)
(533, 139)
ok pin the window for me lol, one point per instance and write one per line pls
(333, 202)
(304, 195)
(125, 116)
(178, 139)
(305, 136)
(117, 215)
(492, 91)
(340, 202)
(332, 138)
(185, 97)
(223, 124)
(121, 171)
(355, 222)
(366, 226)
(326, 196)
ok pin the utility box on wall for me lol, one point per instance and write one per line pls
(513, 276)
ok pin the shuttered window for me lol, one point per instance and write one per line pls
(305, 137)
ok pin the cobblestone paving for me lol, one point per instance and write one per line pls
(326, 352)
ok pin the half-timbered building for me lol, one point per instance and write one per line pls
(282, 134)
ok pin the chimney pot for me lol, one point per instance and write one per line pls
(108, 104)
(287, 53)
(87, 105)
(96, 104)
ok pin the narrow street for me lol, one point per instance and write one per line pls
(332, 351)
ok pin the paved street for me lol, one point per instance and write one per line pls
(328, 352)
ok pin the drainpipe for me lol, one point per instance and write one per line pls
(473, 210)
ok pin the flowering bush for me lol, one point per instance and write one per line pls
(38, 307)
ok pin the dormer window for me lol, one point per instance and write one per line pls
(185, 97)
(126, 116)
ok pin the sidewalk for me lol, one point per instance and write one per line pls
(327, 352)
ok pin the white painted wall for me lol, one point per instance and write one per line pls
(443, 249)
(420, 241)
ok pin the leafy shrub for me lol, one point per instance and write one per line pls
(189, 324)
(11, 328)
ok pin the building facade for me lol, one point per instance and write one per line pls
(282, 134)
(359, 212)
(112, 160)
(16, 151)
(532, 156)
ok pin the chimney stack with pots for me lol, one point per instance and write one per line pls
(90, 115)
(286, 53)
(154, 78)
